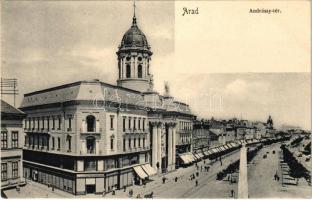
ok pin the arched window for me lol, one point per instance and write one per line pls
(128, 71)
(90, 144)
(140, 71)
(90, 123)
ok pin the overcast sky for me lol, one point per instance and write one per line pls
(46, 44)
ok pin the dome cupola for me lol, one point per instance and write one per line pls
(134, 56)
(134, 38)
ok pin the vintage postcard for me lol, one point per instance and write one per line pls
(156, 99)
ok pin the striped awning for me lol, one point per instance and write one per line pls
(140, 172)
(149, 170)
(201, 155)
(222, 148)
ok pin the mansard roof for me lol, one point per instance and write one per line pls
(94, 90)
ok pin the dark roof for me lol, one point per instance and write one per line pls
(8, 109)
(134, 37)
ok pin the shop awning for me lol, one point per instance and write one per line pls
(233, 144)
(191, 157)
(149, 170)
(222, 148)
(140, 172)
(201, 155)
(209, 152)
(185, 159)
(215, 150)
(196, 156)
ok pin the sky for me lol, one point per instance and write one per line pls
(205, 57)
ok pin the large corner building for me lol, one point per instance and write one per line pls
(90, 136)
(12, 141)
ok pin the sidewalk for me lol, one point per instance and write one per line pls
(37, 190)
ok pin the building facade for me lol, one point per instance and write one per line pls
(12, 141)
(90, 136)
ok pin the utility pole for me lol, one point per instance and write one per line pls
(9, 87)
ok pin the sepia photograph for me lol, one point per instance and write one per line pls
(133, 99)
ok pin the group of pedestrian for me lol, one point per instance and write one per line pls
(192, 177)
(205, 168)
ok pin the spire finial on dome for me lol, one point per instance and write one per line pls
(134, 18)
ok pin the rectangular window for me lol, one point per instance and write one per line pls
(69, 123)
(59, 122)
(69, 144)
(139, 124)
(111, 122)
(43, 123)
(144, 142)
(14, 169)
(58, 143)
(139, 142)
(38, 123)
(129, 123)
(134, 142)
(53, 123)
(109, 164)
(53, 143)
(112, 143)
(90, 165)
(4, 171)
(129, 141)
(124, 124)
(48, 123)
(25, 124)
(4, 140)
(34, 123)
(14, 139)
(134, 124)
(124, 144)
(143, 124)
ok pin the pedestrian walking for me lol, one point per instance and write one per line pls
(103, 193)
(176, 179)
(196, 182)
(164, 180)
(232, 193)
(130, 193)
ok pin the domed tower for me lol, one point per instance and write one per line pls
(134, 56)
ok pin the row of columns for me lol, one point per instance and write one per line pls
(156, 145)
(133, 62)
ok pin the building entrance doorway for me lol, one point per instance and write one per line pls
(90, 189)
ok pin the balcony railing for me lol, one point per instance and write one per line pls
(91, 151)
